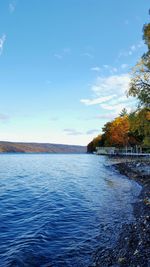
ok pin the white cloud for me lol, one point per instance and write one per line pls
(110, 68)
(2, 41)
(111, 85)
(116, 107)
(96, 69)
(132, 49)
(96, 101)
(110, 93)
(105, 68)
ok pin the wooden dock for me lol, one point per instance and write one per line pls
(124, 152)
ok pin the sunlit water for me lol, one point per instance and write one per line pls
(57, 210)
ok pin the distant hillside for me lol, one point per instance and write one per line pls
(16, 147)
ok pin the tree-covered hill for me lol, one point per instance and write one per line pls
(16, 147)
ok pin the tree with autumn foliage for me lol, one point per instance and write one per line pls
(134, 128)
(129, 130)
(119, 129)
(115, 133)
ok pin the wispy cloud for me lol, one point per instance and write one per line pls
(87, 54)
(58, 56)
(110, 68)
(111, 85)
(92, 131)
(97, 69)
(132, 49)
(71, 131)
(96, 101)
(12, 6)
(117, 107)
(105, 68)
(2, 41)
(110, 93)
(63, 53)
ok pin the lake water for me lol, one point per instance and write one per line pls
(57, 210)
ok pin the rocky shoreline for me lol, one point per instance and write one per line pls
(133, 246)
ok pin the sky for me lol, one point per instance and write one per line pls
(65, 66)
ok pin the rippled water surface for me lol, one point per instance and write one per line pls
(57, 210)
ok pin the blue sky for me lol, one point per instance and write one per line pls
(65, 66)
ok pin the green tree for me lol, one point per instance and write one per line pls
(140, 79)
(94, 143)
(124, 112)
(139, 132)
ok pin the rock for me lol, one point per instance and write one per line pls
(132, 248)
(121, 260)
(148, 201)
(135, 252)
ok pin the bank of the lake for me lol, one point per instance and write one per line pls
(133, 245)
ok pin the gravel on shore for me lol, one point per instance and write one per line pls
(133, 246)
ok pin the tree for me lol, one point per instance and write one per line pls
(144, 125)
(124, 112)
(119, 131)
(140, 79)
(116, 132)
(139, 132)
(135, 136)
(94, 143)
(106, 134)
(146, 35)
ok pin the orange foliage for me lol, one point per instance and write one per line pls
(119, 131)
(148, 115)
